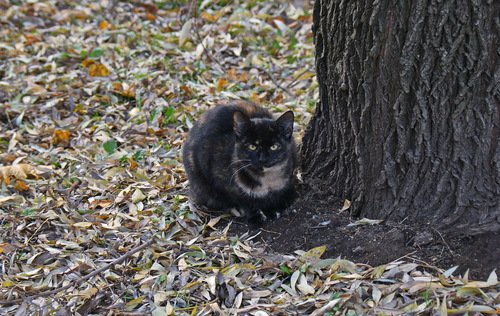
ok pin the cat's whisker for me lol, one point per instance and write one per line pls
(238, 161)
(238, 170)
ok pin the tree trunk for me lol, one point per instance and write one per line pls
(408, 122)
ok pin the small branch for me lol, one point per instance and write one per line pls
(444, 241)
(270, 75)
(295, 79)
(81, 280)
(36, 232)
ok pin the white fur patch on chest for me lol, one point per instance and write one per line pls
(272, 179)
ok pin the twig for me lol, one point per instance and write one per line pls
(270, 75)
(200, 40)
(81, 280)
(444, 241)
(295, 79)
(405, 256)
(36, 231)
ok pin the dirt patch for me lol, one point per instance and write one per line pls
(316, 220)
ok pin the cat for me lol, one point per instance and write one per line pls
(238, 158)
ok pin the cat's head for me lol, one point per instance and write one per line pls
(263, 142)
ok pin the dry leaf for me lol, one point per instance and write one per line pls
(185, 33)
(30, 39)
(103, 25)
(98, 70)
(21, 186)
(20, 171)
(88, 62)
(221, 84)
(61, 137)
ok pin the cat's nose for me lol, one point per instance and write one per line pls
(262, 158)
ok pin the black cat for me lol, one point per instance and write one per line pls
(238, 158)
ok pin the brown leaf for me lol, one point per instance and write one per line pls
(87, 62)
(61, 137)
(221, 84)
(20, 171)
(21, 186)
(123, 89)
(98, 70)
(103, 25)
(30, 39)
(211, 17)
(132, 164)
(8, 158)
(187, 91)
(255, 98)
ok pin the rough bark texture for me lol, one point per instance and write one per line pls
(408, 122)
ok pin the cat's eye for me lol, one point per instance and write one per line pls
(252, 147)
(275, 147)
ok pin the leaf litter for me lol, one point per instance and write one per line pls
(95, 101)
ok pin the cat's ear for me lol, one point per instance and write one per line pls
(240, 123)
(285, 123)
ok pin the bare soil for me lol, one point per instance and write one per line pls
(315, 220)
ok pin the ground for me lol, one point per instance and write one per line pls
(315, 219)
(96, 98)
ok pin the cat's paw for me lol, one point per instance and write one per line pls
(237, 212)
(272, 215)
(256, 218)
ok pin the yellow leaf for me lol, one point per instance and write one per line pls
(103, 25)
(133, 303)
(98, 70)
(211, 17)
(255, 98)
(132, 164)
(300, 75)
(378, 271)
(150, 17)
(316, 252)
(61, 137)
(8, 284)
(87, 62)
(221, 84)
(88, 293)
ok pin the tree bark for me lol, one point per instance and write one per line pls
(408, 121)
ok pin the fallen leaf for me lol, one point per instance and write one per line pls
(20, 172)
(103, 25)
(315, 252)
(21, 186)
(138, 196)
(221, 84)
(185, 33)
(98, 70)
(61, 137)
(365, 221)
(346, 206)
